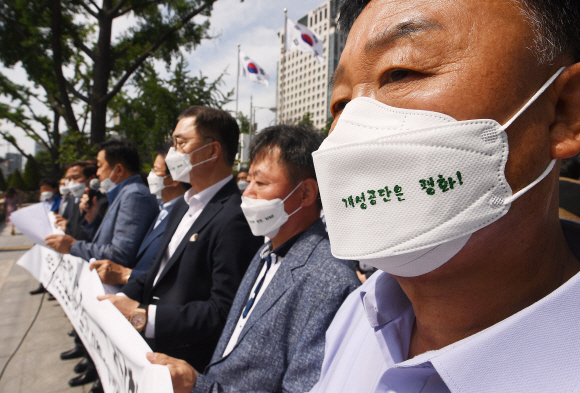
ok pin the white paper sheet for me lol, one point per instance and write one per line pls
(36, 222)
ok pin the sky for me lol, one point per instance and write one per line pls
(253, 24)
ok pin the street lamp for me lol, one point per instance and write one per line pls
(253, 117)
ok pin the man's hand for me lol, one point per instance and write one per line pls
(91, 212)
(126, 305)
(110, 272)
(60, 222)
(60, 243)
(183, 376)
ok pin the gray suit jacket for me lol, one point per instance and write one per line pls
(282, 344)
(124, 226)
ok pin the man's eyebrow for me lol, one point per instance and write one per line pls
(401, 30)
(337, 74)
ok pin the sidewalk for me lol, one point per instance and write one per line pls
(36, 367)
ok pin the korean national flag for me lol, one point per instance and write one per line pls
(252, 71)
(300, 37)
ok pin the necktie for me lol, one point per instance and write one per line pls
(252, 298)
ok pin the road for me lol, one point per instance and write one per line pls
(36, 367)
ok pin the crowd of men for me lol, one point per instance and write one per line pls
(478, 287)
(188, 255)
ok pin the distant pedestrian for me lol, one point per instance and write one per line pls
(11, 202)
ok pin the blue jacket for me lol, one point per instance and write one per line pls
(281, 347)
(123, 228)
(150, 245)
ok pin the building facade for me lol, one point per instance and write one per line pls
(303, 84)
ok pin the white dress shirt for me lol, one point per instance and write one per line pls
(534, 350)
(196, 202)
(269, 275)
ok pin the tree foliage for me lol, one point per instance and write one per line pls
(77, 66)
(15, 180)
(244, 122)
(148, 116)
(3, 184)
(327, 126)
(307, 120)
(32, 175)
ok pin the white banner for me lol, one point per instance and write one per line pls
(116, 348)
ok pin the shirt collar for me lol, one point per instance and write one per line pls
(112, 194)
(195, 198)
(529, 351)
(282, 249)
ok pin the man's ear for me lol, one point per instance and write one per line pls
(565, 131)
(309, 192)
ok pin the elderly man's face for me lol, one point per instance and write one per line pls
(465, 58)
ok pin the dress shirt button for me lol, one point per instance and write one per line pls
(391, 391)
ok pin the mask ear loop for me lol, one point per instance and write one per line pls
(292, 192)
(533, 99)
(547, 171)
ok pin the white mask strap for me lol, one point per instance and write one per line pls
(203, 147)
(533, 99)
(291, 214)
(525, 189)
(292, 192)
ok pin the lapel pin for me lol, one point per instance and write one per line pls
(193, 237)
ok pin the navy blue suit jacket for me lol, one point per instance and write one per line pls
(281, 346)
(197, 286)
(150, 245)
(123, 227)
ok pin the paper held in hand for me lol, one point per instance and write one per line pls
(36, 222)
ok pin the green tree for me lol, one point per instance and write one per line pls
(32, 175)
(244, 123)
(326, 129)
(17, 181)
(69, 53)
(3, 184)
(43, 160)
(307, 120)
(148, 117)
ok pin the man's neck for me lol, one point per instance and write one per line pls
(170, 193)
(296, 224)
(492, 278)
(210, 178)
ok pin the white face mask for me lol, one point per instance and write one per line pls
(180, 165)
(45, 196)
(265, 217)
(156, 184)
(77, 189)
(64, 190)
(108, 184)
(403, 190)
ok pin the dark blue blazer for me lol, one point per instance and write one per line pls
(197, 286)
(124, 226)
(150, 245)
(281, 347)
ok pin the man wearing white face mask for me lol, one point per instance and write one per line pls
(181, 303)
(162, 185)
(451, 118)
(78, 175)
(274, 336)
(131, 209)
(49, 194)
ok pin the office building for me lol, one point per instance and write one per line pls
(303, 84)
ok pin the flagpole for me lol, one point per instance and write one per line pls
(238, 82)
(283, 84)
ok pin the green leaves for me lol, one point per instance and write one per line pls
(148, 116)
